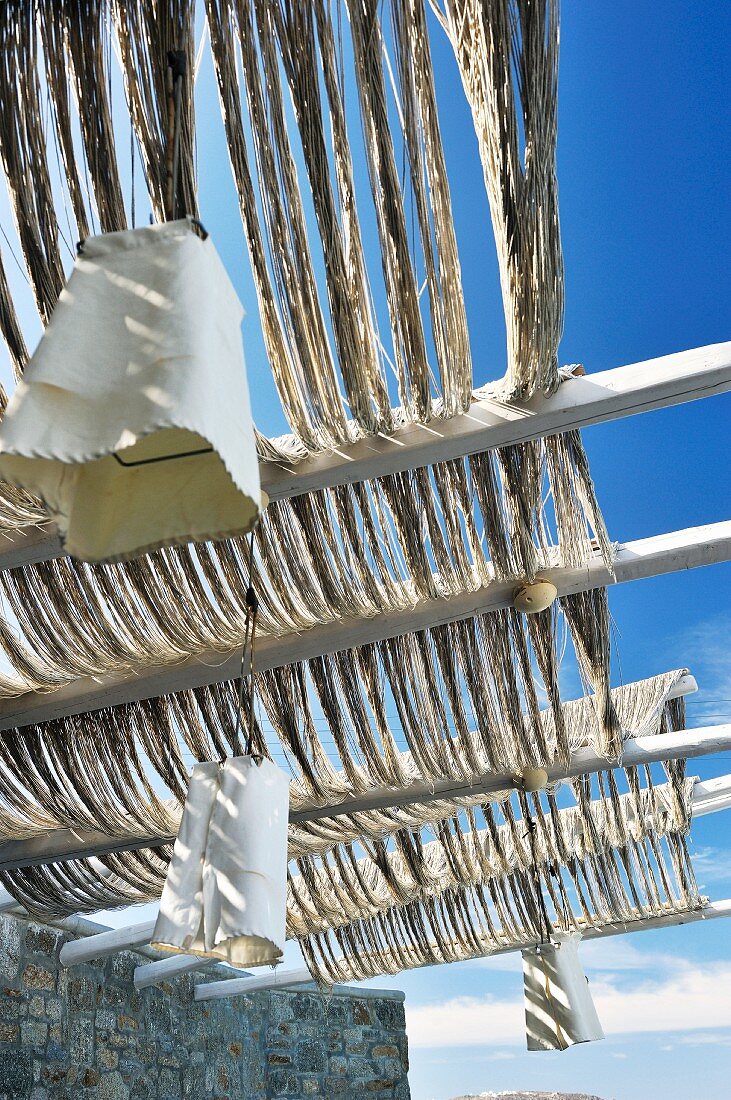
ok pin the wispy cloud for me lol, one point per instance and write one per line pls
(709, 657)
(706, 1038)
(712, 865)
(693, 998)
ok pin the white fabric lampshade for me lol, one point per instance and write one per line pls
(559, 1010)
(141, 359)
(225, 895)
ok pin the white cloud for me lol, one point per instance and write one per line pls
(711, 865)
(710, 661)
(706, 1038)
(694, 997)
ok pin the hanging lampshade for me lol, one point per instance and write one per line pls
(132, 422)
(225, 895)
(559, 1010)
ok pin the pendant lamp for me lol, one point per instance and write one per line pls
(132, 422)
(559, 1010)
(225, 895)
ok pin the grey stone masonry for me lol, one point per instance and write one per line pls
(85, 1033)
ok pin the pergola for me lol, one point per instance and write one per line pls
(394, 675)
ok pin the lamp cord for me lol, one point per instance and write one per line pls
(532, 827)
(252, 613)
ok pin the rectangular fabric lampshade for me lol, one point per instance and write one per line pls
(559, 1010)
(142, 360)
(225, 895)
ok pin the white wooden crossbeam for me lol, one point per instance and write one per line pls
(164, 970)
(285, 979)
(708, 796)
(106, 943)
(656, 556)
(65, 844)
(580, 401)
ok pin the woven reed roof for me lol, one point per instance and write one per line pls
(480, 694)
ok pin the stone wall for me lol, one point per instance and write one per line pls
(86, 1034)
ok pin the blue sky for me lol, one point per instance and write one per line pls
(643, 166)
(643, 155)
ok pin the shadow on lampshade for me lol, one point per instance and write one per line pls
(559, 1010)
(142, 361)
(225, 895)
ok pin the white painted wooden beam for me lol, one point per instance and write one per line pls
(685, 744)
(286, 979)
(708, 796)
(164, 970)
(65, 844)
(579, 402)
(106, 943)
(272, 979)
(656, 556)
(711, 795)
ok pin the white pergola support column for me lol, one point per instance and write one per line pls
(286, 979)
(65, 844)
(656, 556)
(579, 402)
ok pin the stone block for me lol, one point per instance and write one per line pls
(41, 940)
(146, 1090)
(390, 1014)
(81, 1040)
(34, 1033)
(361, 1013)
(337, 1065)
(10, 950)
(16, 1073)
(311, 1056)
(387, 1050)
(307, 1006)
(112, 1087)
(82, 992)
(13, 1005)
(38, 977)
(280, 1082)
(106, 1057)
(335, 1086)
(337, 1010)
(280, 1008)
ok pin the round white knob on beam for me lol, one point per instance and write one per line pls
(533, 779)
(534, 596)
